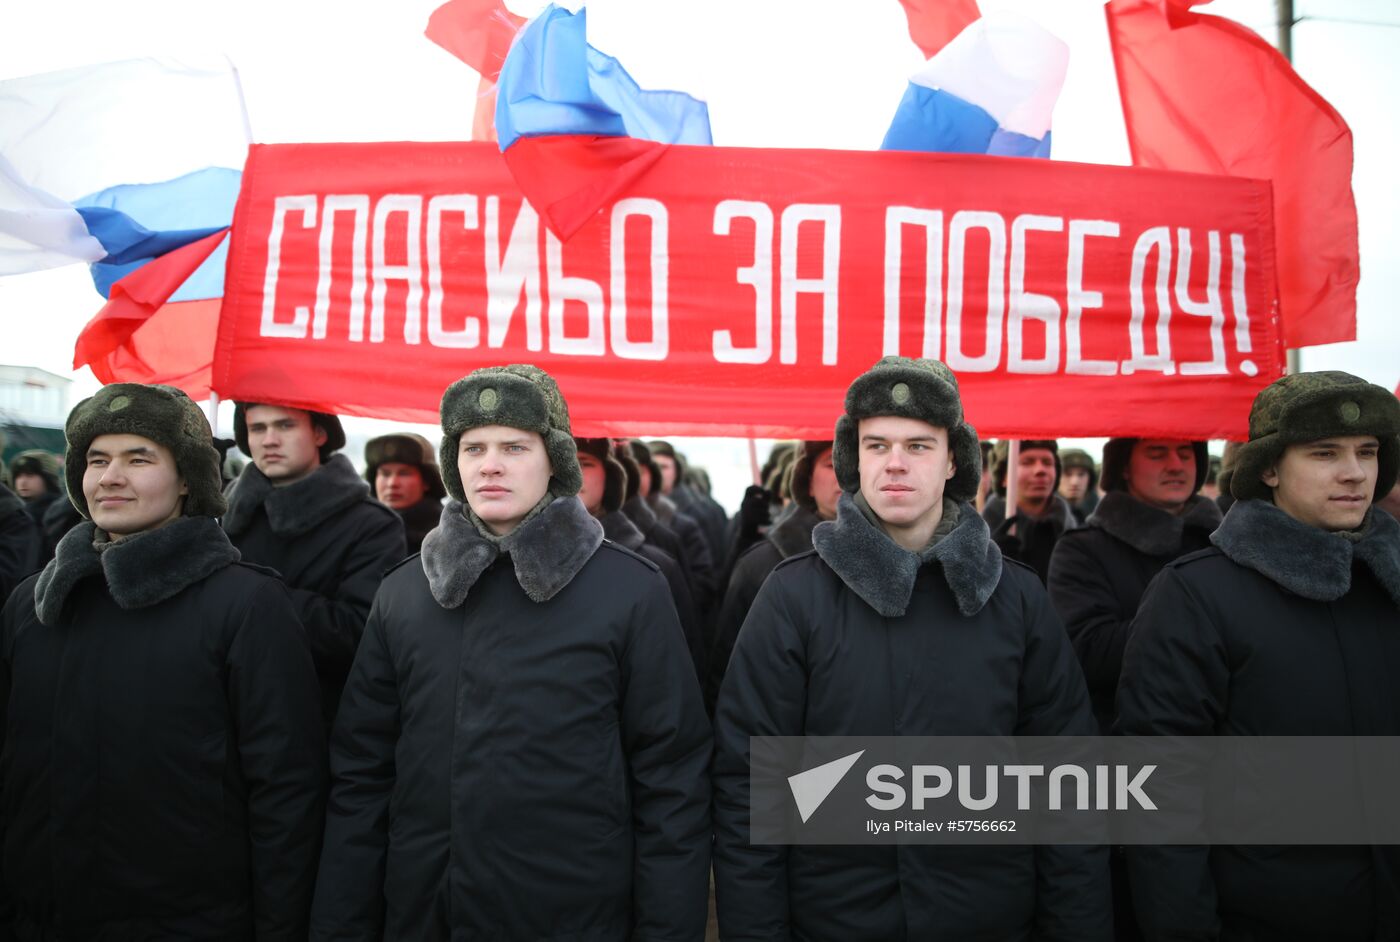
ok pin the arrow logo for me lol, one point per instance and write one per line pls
(810, 788)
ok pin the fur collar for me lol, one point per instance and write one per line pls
(793, 533)
(1059, 514)
(139, 571)
(622, 531)
(664, 507)
(1148, 529)
(882, 573)
(639, 512)
(297, 508)
(1305, 560)
(546, 552)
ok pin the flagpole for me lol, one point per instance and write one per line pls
(1285, 46)
(214, 413)
(1013, 458)
(753, 461)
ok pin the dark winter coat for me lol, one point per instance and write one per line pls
(418, 520)
(60, 517)
(618, 528)
(706, 511)
(658, 534)
(791, 535)
(1099, 572)
(164, 770)
(21, 543)
(695, 553)
(653, 530)
(36, 508)
(1034, 541)
(522, 749)
(331, 542)
(1280, 629)
(862, 638)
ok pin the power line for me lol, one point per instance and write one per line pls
(1345, 21)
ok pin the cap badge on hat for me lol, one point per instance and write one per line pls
(488, 399)
(899, 392)
(1349, 411)
(118, 403)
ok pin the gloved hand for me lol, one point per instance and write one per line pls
(754, 513)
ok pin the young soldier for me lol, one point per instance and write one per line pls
(403, 471)
(904, 621)
(605, 486)
(301, 509)
(164, 773)
(815, 492)
(1288, 626)
(1028, 533)
(1079, 482)
(1151, 514)
(522, 750)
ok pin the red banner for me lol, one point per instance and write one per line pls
(738, 292)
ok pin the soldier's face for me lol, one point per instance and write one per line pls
(667, 464)
(825, 489)
(1328, 483)
(30, 485)
(1035, 475)
(131, 485)
(1162, 473)
(399, 485)
(285, 444)
(505, 473)
(904, 466)
(595, 481)
(1074, 482)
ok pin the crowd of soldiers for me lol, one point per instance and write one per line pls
(504, 688)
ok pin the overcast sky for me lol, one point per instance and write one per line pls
(781, 73)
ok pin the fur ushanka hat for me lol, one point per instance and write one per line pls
(405, 448)
(641, 454)
(167, 417)
(517, 396)
(800, 482)
(913, 389)
(615, 482)
(35, 461)
(1304, 407)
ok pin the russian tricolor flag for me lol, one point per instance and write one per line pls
(991, 90)
(575, 128)
(133, 167)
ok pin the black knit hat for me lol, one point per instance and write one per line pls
(615, 484)
(405, 448)
(167, 417)
(335, 434)
(1118, 451)
(1304, 407)
(800, 486)
(913, 389)
(516, 396)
